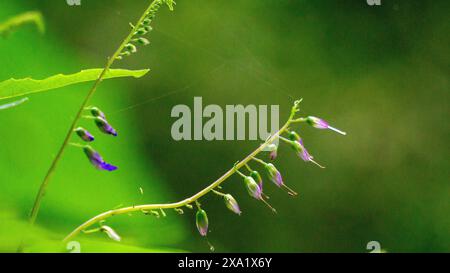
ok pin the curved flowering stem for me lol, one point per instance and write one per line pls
(125, 47)
(193, 199)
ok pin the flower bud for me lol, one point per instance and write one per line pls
(294, 136)
(148, 28)
(273, 149)
(232, 204)
(253, 188)
(96, 159)
(141, 31)
(202, 222)
(258, 179)
(143, 41)
(131, 48)
(275, 177)
(96, 112)
(111, 233)
(84, 134)
(322, 124)
(104, 126)
(274, 174)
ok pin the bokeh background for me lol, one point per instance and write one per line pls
(380, 73)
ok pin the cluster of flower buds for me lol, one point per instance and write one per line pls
(143, 29)
(296, 142)
(254, 182)
(100, 121)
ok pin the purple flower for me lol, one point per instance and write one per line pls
(96, 159)
(277, 179)
(232, 204)
(322, 124)
(201, 220)
(274, 174)
(104, 126)
(302, 152)
(84, 134)
(299, 147)
(253, 188)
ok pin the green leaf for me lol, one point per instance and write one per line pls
(14, 88)
(22, 19)
(15, 230)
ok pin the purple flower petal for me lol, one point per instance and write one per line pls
(96, 159)
(108, 167)
(104, 126)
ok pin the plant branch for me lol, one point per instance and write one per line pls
(191, 199)
(50, 172)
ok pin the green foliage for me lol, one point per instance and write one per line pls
(33, 17)
(14, 88)
(14, 230)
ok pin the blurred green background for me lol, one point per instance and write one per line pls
(380, 73)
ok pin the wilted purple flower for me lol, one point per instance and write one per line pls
(253, 188)
(274, 174)
(84, 134)
(232, 204)
(299, 147)
(322, 124)
(111, 233)
(97, 160)
(104, 126)
(201, 220)
(258, 179)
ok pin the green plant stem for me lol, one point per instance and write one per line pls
(50, 172)
(186, 201)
